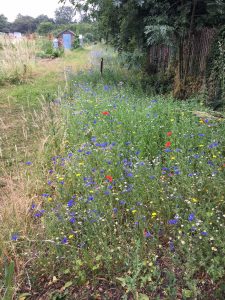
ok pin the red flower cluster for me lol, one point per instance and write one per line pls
(105, 113)
(110, 179)
(169, 133)
(168, 144)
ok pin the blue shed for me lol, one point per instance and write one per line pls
(66, 39)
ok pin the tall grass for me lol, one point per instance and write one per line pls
(17, 58)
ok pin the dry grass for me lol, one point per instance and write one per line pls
(17, 59)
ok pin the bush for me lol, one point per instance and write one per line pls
(48, 51)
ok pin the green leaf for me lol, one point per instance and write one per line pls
(143, 297)
(67, 284)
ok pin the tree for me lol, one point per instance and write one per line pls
(4, 24)
(45, 27)
(65, 15)
(43, 18)
(24, 24)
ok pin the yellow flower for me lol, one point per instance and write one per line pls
(81, 163)
(78, 174)
(172, 158)
(49, 198)
(194, 200)
(214, 156)
(61, 178)
(154, 214)
(134, 211)
(71, 236)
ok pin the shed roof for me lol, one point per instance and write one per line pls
(67, 30)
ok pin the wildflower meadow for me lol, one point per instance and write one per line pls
(132, 202)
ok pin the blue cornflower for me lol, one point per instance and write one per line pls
(45, 195)
(64, 240)
(106, 88)
(129, 175)
(122, 202)
(152, 177)
(90, 198)
(33, 206)
(115, 210)
(28, 163)
(70, 203)
(204, 233)
(173, 221)
(72, 220)
(213, 145)
(191, 217)
(39, 213)
(14, 236)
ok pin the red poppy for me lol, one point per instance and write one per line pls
(168, 144)
(105, 113)
(110, 179)
(169, 133)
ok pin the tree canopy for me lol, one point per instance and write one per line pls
(65, 15)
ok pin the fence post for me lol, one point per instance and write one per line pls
(101, 67)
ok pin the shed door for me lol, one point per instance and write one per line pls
(67, 41)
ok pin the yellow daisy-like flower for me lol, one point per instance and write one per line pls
(78, 174)
(154, 214)
(71, 236)
(49, 198)
(134, 211)
(61, 178)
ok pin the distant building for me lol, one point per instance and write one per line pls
(66, 38)
(17, 35)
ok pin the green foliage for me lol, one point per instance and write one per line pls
(24, 24)
(4, 24)
(159, 34)
(8, 281)
(48, 51)
(64, 15)
(76, 43)
(45, 28)
(215, 78)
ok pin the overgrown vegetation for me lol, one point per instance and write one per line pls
(17, 60)
(135, 217)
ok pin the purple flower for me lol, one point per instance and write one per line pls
(64, 240)
(173, 221)
(72, 220)
(28, 163)
(191, 217)
(147, 234)
(70, 203)
(129, 174)
(14, 237)
(204, 233)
